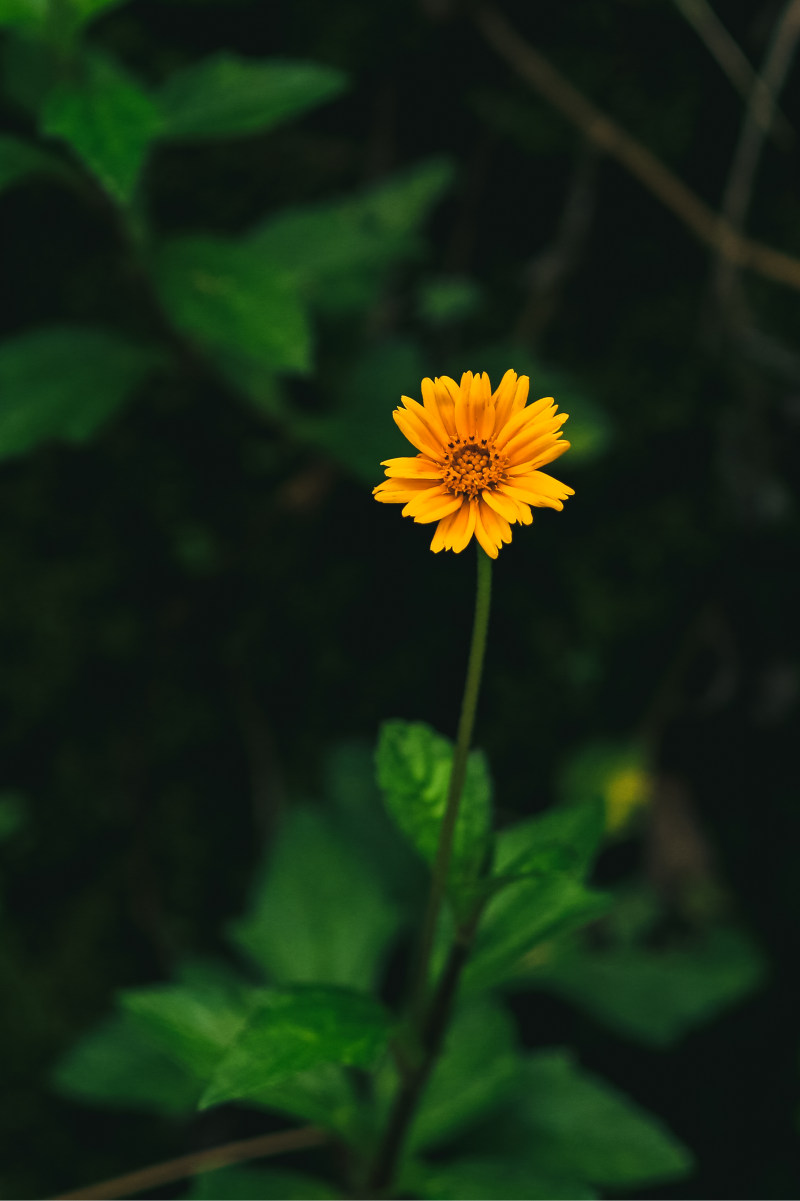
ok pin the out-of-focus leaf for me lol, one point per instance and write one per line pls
(23, 14)
(657, 996)
(322, 1095)
(563, 840)
(63, 382)
(477, 1069)
(260, 1184)
(19, 160)
(520, 918)
(448, 299)
(616, 773)
(12, 813)
(580, 1127)
(109, 121)
(339, 253)
(365, 398)
(37, 14)
(413, 766)
(294, 1030)
(117, 1066)
(227, 95)
(319, 913)
(194, 1024)
(231, 302)
(84, 11)
(486, 1178)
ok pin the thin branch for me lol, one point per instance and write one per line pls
(200, 1161)
(741, 177)
(728, 55)
(699, 217)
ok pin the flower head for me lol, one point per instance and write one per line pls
(477, 471)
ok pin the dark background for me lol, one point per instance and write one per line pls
(195, 603)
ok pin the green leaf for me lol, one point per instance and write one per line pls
(232, 303)
(63, 382)
(260, 1184)
(413, 766)
(523, 916)
(657, 996)
(36, 14)
(319, 912)
(30, 14)
(486, 1178)
(193, 1024)
(581, 1127)
(477, 1069)
(562, 840)
(448, 299)
(108, 120)
(339, 253)
(117, 1066)
(13, 813)
(322, 1095)
(227, 95)
(20, 160)
(294, 1030)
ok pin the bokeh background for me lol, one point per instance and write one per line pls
(200, 599)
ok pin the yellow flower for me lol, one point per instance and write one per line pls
(480, 453)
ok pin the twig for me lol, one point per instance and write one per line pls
(727, 53)
(698, 216)
(741, 177)
(199, 1161)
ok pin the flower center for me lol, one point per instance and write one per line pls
(472, 466)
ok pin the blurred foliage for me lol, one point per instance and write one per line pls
(234, 238)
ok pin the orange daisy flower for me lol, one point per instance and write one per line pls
(480, 453)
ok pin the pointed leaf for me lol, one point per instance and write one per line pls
(64, 382)
(319, 913)
(294, 1030)
(563, 840)
(227, 95)
(109, 121)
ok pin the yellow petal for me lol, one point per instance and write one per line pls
(504, 398)
(421, 499)
(436, 508)
(417, 434)
(431, 421)
(418, 468)
(442, 406)
(496, 526)
(522, 420)
(503, 505)
(462, 535)
(440, 534)
(486, 542)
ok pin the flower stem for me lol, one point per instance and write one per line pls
(458, 773)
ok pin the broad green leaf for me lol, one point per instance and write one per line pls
(319, 912)
(486, 1178)
(477, 1069)
(30, 14)
(615, 773)
(84, 11)
(562, 840)
(413, 767)
(365, 397)
(227, 95)
(19, 160)
(580, 1127)
(62, 382)
(339, 252)
(37, 14)
(260, 1184)
(193, 1024)
(233, 303)
(117, 1066)
(108, 120)
(523, 916)
(294, 1030)
(657, 996)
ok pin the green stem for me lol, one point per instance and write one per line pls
(441, 867)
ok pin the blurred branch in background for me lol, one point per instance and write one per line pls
(700, 218)
(730, 57)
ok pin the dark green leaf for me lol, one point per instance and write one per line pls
(478, 1068)
(487, 1178)
(294, 1030)
(13, 811)
(413, 765)
(260, 1184)
(322, 1095)
(108, 120)
(19, 160)
(227, 95)
(319, 913)
(657, 996)
(233, 303)
(562, 840)
(117, 1066)
(35, 15)
(520, 918)
(30, 14)
(448, 299)
(581, 1127)
(64, 383)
